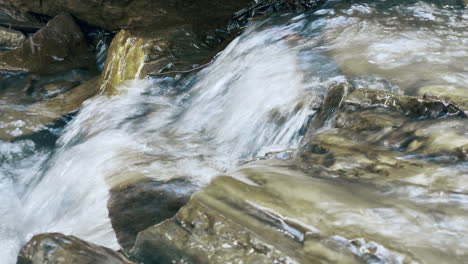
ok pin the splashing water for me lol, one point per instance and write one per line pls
(257, 96)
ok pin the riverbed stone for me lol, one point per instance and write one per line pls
(380, 135)
(18, 123)
(137, 205)
(10, 39)
(56, 248)
(272, 212)
(59, 46)
(449, 94)
(408, 105)
(223, 225)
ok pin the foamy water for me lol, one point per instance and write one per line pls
(257, 96)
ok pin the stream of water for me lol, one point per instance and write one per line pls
(257, 97)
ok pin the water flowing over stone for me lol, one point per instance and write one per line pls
(373, 182)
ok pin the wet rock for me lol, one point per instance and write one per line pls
(144, 14)
(269, 212)
(223, 228)
(448, 94)
(383, 136)
(331, 103)
(183, 47)
(125, 14)
(16, 19)
(58, 47)
(135, 206)
(55, 88)
(60, 249)
(10, 39)
(408, 105)
(15, 123)
(135, 55)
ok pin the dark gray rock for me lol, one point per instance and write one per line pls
(136, 206)
(155, 15)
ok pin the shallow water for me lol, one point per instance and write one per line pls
(256, 97)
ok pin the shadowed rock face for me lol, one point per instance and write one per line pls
(144, 14)
(58, 47)
(136, 206)
(55, 248)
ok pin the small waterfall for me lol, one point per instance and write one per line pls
(253, 98)
(256, 97)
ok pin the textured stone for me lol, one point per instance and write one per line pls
(10, 39)
(36, 117)
(58, 47)
(135, 206)
(55, 248)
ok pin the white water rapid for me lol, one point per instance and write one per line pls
(256, 97)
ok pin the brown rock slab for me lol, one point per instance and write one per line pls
(58, 47)
(55, 248)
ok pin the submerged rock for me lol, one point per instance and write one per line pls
(332, 101)
(135, 206)
(58, 47)
(408, 105)
(454, 95)
(55, 248)
(15, 123)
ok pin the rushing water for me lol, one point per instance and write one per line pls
(256, 97)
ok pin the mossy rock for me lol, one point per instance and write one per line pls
(134, 55)
(407, 105)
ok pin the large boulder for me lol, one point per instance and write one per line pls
(58, 47)
(235, 221)
(378, 184)
(184, 45)
(139, 204)
(145, 14)
(271, 212)
(55, 248)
